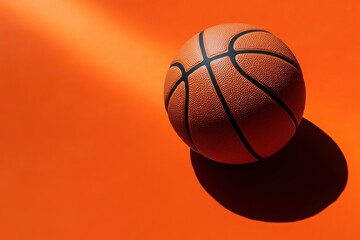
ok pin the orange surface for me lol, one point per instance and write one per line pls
(87, 151)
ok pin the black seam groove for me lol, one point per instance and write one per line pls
(232, 55)
(223, 101)
(171, 92)
(184, 78)
(185, 73)
(187, 127)
(180, 66)
(255, 51)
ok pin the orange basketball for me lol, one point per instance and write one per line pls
(235, 93)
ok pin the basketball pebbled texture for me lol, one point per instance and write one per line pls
(235, 93)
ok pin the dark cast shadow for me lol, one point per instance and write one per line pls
(299, 181)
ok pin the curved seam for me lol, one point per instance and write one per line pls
(266, 90)
(223, 102)
(186, 110)
(184, 78)
(268, 53)
(206, 62)
(185, 74)
(172, 91)
(176, 84)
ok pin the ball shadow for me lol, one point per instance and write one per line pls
(299, 181)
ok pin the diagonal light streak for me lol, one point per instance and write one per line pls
(99, 40)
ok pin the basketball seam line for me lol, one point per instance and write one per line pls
(226, 54)
(184, 77)
(223, 101)
(263, 88)
(186, 110)
(269, 53)
(268, 92)
(186, 113)
(185, 74)
(231, 53)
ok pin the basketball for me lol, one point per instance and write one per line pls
(235, 93)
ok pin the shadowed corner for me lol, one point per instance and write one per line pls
(299, 181)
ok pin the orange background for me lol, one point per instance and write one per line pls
(86, 149)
